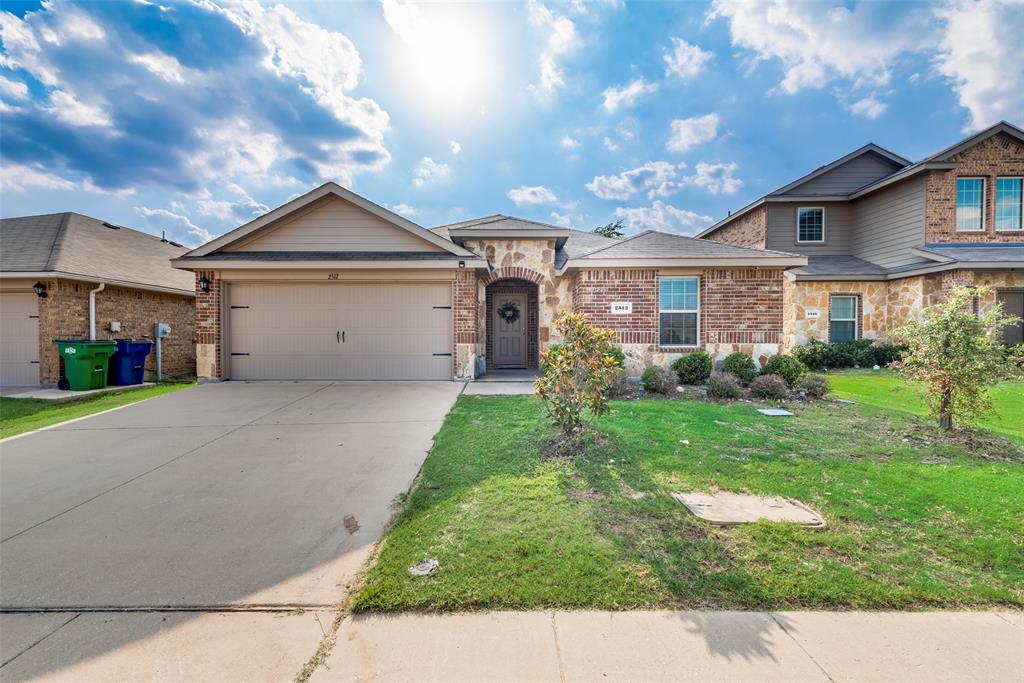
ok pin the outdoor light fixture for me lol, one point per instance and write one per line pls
(462, 264)
(40, 289)
(204, 284)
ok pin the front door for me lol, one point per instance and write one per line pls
(1013, 304)
(509, 330)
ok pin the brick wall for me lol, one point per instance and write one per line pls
(464, 313)
(741, 306)
(64, 314)
(1000, 155)
(595, 290)
(750, 230)
(208, 328)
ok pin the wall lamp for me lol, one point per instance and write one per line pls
(462, 264)
(40, 289)
(204, 284)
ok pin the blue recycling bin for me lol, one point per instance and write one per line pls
(128, 364)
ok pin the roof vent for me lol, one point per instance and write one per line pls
(111, 226)
(163, 235)
(175, 244)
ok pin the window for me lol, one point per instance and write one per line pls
(970, 204)
(810, 225)
(678, 311)
(1008, 203)
(842, 318)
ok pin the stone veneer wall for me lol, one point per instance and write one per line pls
(1000, 155)
(750, 230)
(64, 314)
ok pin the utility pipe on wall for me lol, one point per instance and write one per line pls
(92, 310)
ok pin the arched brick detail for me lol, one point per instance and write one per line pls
(514, 273)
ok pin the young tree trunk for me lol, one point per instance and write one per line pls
(945, 410)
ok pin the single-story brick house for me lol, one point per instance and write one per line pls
(333, 286)
(50, 268)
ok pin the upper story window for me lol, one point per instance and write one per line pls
(970, 204)
(678, 305)
(810, 224)
(1008, 203)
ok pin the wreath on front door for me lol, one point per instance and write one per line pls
(508, 312)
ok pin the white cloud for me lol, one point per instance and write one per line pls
(980, 55)
(610, 145)
(18, 178)
(715, 178)
(14, 89)
(869, 107)
(657, 178)
(663, 217)
(560, 37)
(569, 143)
(405, 210)
(685, 61)
(565, 220)
(537, 194)
(177, 227)
(430, 172)
(157, 63)
(627, 96)
(67, 108)
(687, 133)
(239, 210)
(235, 149)
(455, 147)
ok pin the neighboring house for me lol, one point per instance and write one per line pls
(333, 286)
(886, 237)
(48, 267)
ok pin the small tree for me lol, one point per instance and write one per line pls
(957, 355)
(577, 374)
(614, 230)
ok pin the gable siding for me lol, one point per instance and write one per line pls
(844, 179)
(782, 229)
(889, 223)
(334, 225)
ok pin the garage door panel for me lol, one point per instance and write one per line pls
(292, 331)
(19, 339)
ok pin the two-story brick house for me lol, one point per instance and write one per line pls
(885, 236)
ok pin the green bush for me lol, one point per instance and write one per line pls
(694, 368)
(658, 380)
(741, 366)
(619, 355)
(770, 387)
(723, 385)
(786, 367)
(815, 386)
(862, 353)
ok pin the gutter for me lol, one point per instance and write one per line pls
(899, 275)
(92, 310)
(686, 262)
(230, 264)
(61, 275)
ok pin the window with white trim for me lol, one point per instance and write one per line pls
(810, 224)
(970, 204)
(842, 318)
(1009, 203)
(677, 311)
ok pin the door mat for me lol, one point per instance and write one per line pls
(725, 508)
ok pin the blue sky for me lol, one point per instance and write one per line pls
(194, 117)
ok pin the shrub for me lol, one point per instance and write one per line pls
(619, 355)
(693, 368)
(863, 353)
(659, 380)
(786, 367)
(815, 386)
(772, 387)
(723, 385)
(577, 372)
(957, 354)
(741, 366)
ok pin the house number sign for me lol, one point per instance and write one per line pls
(622, 307)
(813, 314)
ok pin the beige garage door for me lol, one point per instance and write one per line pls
(19, 340)
(340, 331)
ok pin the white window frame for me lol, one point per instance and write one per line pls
(956, 204)
(855, 319)
(810, 208)
(673, 310)
(995, 204)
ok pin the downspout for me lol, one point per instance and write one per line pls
(92, 310)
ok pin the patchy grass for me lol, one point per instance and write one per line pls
(19, 415)
(887, 389)
(915, 520)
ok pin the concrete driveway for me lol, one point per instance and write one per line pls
(263, 497)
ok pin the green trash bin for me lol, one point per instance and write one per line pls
(85, 363)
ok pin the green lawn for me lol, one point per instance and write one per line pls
(19, 415)
(886, 389)
(915, 520)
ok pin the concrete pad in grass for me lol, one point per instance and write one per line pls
(724, 508)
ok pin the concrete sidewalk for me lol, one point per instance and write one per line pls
(698, 646)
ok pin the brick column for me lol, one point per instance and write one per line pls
(464, 323)
(208, 328)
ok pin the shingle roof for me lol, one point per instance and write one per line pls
(329, 256)
(79, 245)
(839, 265)
(993, 253)
(661, 245)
